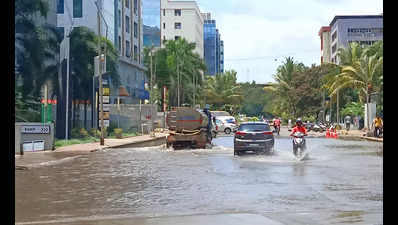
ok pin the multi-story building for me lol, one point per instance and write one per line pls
(213, 46)
(151, 19)
(364, 29)
(181, 19)
(221, 56)
(123, 27)
(324, 34)
(151, 36)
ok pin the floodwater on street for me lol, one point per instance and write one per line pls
(341, 182)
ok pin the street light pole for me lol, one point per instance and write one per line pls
(102, 60)
(67, 84)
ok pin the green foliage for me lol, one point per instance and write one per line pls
(353, 109)
(222, 89)
(94, 132)
(118, 132)
(79, 133)
(176, 65)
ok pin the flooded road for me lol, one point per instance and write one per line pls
(340, 183)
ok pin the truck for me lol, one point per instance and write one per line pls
(188, 128)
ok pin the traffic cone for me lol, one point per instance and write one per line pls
(327, 133)
(335, 135)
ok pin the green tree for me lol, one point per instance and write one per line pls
(83, 49)
(180, 69)
(222, 89)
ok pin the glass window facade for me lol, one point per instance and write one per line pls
(128, 49)
(135, 52)
(77, 8)
(210, 43)
(127, 24)
(135, 29)
(60, 6)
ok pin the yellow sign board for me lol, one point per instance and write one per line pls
(106, 91)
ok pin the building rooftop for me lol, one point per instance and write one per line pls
(355, 17)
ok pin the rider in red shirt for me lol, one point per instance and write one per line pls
(299, 128)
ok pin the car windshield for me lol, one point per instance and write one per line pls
(220, 113)
(254, 127)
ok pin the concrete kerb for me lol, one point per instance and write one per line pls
(40, 157)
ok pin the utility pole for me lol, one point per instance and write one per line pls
(67, 83)
(338, 108)
(100, 75)
(178, 84)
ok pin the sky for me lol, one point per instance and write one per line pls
(259, 34)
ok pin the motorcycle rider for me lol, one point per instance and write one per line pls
(277, 124)
(298, 128)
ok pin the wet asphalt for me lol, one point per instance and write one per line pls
(341, 182)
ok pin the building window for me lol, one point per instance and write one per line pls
(128, 50)
(61, 31)
(177, 12)
(77, 8)
(127, 3)
(135, 29)
(176, 37)
(135, 6)
(334, 48)
(135, 52)
(177, 26)
(164, 25)
(60, 6)
(119, 18)
(164, 12)
(119, 43)
(127, 24)
(334, 36)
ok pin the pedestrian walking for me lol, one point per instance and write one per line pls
(347, 121)
(377, 126)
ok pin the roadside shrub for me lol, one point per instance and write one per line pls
(94, 132)
(118, 132)
(83, 133)
(75, 132)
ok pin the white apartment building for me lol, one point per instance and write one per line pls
(124, 29)
(182, 19)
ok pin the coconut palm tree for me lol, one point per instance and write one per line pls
(223, 89)
(361, 75)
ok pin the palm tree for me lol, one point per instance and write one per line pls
(222, 89)
(83, 49)
(184, 64)
(284, 86)
(361, 75)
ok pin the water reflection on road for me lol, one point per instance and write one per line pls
(340, 181)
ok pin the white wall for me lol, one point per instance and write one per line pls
(191, 22)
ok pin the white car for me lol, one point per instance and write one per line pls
(224, 126)
(227, 119)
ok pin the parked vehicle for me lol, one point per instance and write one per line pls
(299, 145)
(254, 136)
(224, 126)
(309, 126)
(227, 119)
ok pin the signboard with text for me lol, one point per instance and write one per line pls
(35, 129)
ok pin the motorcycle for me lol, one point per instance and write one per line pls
(277, 129)
(299, 146)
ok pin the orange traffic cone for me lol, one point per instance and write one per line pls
(335, 135)
(327, 133)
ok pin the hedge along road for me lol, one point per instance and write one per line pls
(340, 183)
